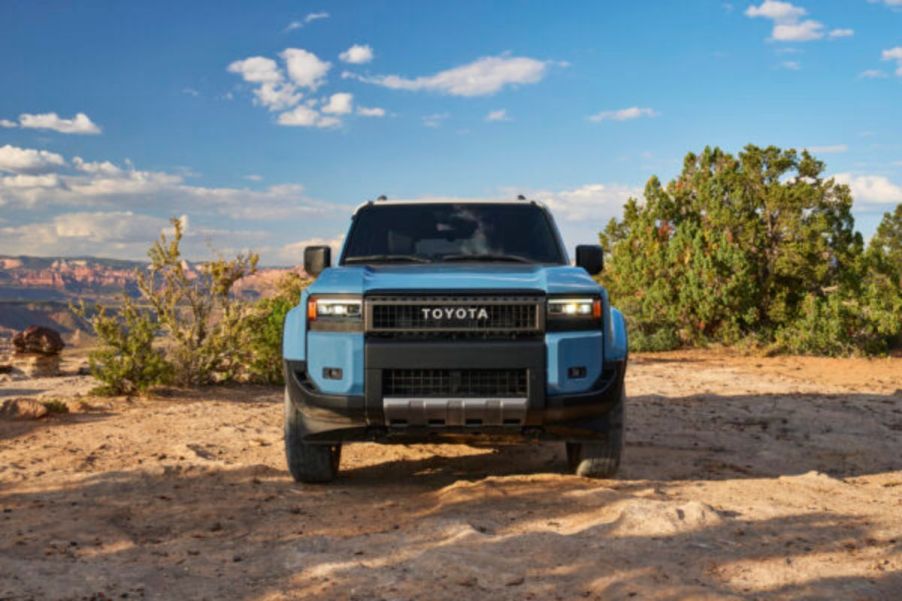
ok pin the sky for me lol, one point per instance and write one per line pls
(262, 125)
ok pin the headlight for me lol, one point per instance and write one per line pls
(325, 313)
(574, 313)
(589, 308)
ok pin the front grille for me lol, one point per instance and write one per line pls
(463, 314)
(454, 383)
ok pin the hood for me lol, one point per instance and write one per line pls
(445, 277)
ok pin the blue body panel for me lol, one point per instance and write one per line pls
(294, 332)
(337, 349)
(616, 346)
(553, 279)
(572, 349)
(345, 350)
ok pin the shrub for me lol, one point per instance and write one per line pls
(55, 406)
(127, 360)
(203, 319)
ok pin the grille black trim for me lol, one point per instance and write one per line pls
(499, 315)
(456, 383)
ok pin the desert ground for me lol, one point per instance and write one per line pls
(742, 478)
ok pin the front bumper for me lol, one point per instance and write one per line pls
(330, 418)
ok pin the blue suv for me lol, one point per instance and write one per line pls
(453, 322)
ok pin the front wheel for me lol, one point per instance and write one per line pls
(308, 463)
(600, 459)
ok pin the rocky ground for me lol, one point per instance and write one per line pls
(743, 478)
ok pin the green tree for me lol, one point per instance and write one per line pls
(754, 247)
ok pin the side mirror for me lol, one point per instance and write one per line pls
(316, 259)
(590, 257)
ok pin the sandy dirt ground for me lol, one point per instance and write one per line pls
(743, 478)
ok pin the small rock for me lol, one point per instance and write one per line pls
(37, 365)
(514, 581)
(22, 408)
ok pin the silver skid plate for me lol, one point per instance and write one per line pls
(443, 412)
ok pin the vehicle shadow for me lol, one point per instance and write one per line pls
(248, 533)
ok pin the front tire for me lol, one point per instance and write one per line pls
(308, 463)
(600, 459)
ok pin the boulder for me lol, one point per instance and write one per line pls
(38, 339)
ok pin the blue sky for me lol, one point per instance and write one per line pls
(264, 124)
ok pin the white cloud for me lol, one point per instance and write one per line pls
(499, 115)
(273, 91)
(308, 19)
(7, 123)
(119, 209)
(375, 111)
(788, 25)
(113, 232)
(26, 182)
(804, 31)
(257, 69)
(253, 177)
(894, 54)
(482, 77)
(776, 11)
(871, 189)
(45, 179)
(828, 149)
(358, 54)
(190, 92)
(97, 168)
(435, 119)
(79, 124)
(304, 116)
(791, 65)
(120, 234)
(304, 68)
(26, 160)
(277, 96)
(873, 74)
(633, 112)
(339, 104)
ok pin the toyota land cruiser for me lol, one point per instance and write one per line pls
(453, 321)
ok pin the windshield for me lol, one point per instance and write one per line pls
(516, 233)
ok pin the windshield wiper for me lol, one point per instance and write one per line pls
(487, 258)
(387, 259)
